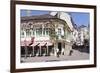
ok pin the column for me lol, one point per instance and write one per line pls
(26, 52)
(35, 32)
(63, 48)
(55, 50)
(47, 50)
(33, 50)
(31, 33)
(24, 34)
(40, 51)
(42, 29)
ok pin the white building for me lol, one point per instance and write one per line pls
(83, 34)
(46, 34)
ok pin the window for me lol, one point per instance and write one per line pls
(22, 34)
(33, 32)
(68, 34)
(47, 31)
(28, 33)
(59, 31)
(44, 31)
(38, 32)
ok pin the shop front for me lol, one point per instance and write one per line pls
(38, 48)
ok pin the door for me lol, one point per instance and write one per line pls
(59, 46)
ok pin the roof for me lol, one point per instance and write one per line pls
(82, 26)
(45, 16)
(74, 25)
(48, 16)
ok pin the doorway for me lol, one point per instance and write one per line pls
(59, 46)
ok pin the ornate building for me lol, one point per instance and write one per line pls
(48, 34)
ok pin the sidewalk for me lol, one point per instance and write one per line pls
(76, 55)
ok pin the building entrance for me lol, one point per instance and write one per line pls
(60, 46)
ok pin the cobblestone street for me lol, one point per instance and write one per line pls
(76, 55)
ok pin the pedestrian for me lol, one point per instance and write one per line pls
(58, 52)
(70, 53)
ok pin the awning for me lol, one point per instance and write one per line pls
(45, 44)
(34, 44)
(26, 43)
(42, 44)
(49, 44)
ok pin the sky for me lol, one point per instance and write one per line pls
(79, 18)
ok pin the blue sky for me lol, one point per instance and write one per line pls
(33, 12)
(78, 18)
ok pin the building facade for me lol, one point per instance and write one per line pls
(83, 35)
(45, 35)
